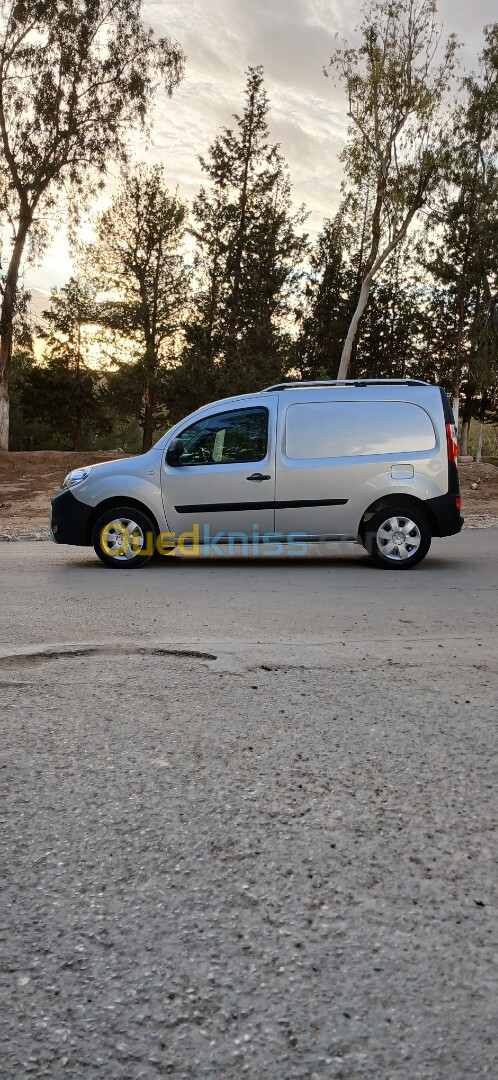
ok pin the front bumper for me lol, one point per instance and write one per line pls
(70, 520)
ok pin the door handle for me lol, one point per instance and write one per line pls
(257, 477)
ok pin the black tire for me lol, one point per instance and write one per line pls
(140, 530)
(388, 554)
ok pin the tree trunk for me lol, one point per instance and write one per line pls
(373, 265)
(457, 370)
(466, 418)
(77, 432)
(353, 327)
(463, 451)
(456, 387)
(455, 402)
(480, 430)
(493, 309)
(366, 284)
(148, 429)
(6, 323)
(77, 428)
(480, 435)
(4, 416)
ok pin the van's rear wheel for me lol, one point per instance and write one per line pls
(124, 538)
(397, 538)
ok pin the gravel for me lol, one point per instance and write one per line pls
(481, 521)
(472, 521)
(9, 537)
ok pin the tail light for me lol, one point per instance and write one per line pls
(451, 440)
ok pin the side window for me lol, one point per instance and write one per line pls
(357, 429)
(226, 438)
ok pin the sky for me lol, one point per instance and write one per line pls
(293, 40)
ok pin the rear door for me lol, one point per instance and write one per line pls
(338, 456)
(226, 476)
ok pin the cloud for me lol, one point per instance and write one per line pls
(293, 39)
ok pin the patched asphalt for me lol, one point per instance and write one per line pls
(249, 838)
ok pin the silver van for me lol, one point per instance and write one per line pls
(368, 461)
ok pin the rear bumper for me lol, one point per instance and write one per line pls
(446, 517)
(70, 520)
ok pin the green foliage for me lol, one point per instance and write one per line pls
(325, 316)
(396, 329)
(63, 399)
(74, 78)
(143, 338)
(137, 265)
(65, 390)
(464, 257)
(248, 254)
(395, 85)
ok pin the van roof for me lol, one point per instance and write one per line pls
(301, 385)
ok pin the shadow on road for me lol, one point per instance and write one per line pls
(307, 563)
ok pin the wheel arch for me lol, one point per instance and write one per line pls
(114, 502)
(397, 499)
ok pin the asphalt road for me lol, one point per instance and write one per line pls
(249, 816)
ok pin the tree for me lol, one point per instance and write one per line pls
(55, 395)
(465, 255)
(482, 119)
(249, 249)
(23, 359)
(73, 80)
(395, 325)
(67, 382)
(138, 265)
(195, 380)
(64, 389)
(394, 89)
(326, 313)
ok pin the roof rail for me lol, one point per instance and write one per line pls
(302, 384)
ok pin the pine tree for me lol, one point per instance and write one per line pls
(64, 389)
(249, 248)
(196, 380)
(394, 327)
(326, 313)
(138, 265)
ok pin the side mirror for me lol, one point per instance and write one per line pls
(174, 452)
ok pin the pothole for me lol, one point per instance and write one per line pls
(45, 655)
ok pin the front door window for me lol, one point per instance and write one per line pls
(227, 438)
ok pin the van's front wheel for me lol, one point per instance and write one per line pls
(397, 538)
(124, 538)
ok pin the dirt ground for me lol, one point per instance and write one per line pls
(28, 481)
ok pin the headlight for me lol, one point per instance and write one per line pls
(76, 477)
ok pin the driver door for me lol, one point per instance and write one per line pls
(225, 479)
